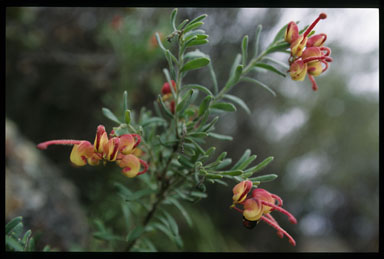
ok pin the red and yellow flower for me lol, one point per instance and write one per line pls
(308, 55)
(119, 149)
(259, 205)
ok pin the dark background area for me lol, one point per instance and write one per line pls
(64, 64)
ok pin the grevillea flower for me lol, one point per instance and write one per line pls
(308, 55)
(115, 149)
(258, 206)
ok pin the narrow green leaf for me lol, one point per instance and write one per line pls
(204, 105)
(258, 167)
(232, 172)
(220, 136)
(169, 80)
(196, 42)
(184, 102)
(244, 49)
(198, 147)
(270, 68)
(127, 116)
(12, 224)
(125, 100)
(246, 162)
(264, 178)
(199, 194)
(238, 101)
(192, 26)
(198, 134)
(165, 108)
(185, 162)
(234, 78)
(135, 233)
(139, 194)
(244, 157)
(224, 163)
(182, 210)
(173, 19)
(229, 107)
(278, 62)
(198, 19)
(26, 237)
(252, 80)
(213, 76)
(159, 42)
(195, 54)
(280, 34)
(257, 40)
(172, 223)
(213, 176)
(209, 125)
(195, 64)
(277, 47)
(109, 114)
(153, 120)
(182, 24)
(198, 87)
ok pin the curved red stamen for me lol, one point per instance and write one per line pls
(318, 58)
(279, 200)
(279, 233)
(291, 218)
(314, 85)
(44, 145)
(138, 139)
(236, 208)
(145, 165)
(328, 50)
(326, 66)
(321, 16)
(279, 229)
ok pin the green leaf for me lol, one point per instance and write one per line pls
(172, 223)
(224, 163)
(209, 125)
(125, 100)
(135, 233)
(185, 214)
(220, 136)
(182, 24)
(110, 115)
(280, 34)
(199, 134)
(198, 19)
(198, 87)
(213, 76)
(159, 42)
(278, 62)
(195, 54)
(238, 101)
(198, 147)
(184, 102)
(244, 157)
(258, 167)
(264, 178)
(173, 19)
(176, 239)
(246, 162)
(213, 176)
(229, 107)
(204, 105)
(185, 161)
(26, 237)
(192, 26)
(252, 80)
(12, 224)
(168, 77)
(244, 49)
(127, 116)
(13, 244)
(196, 42)
(139, 194)
(270, 68)
(277, 47)
(257, 40)
(165, 109)
(195, 64)
(153, 120)
(232, 172)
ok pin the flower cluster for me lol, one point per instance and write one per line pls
(115, 149)
(167, 94)
(308, 55)
(258, 206)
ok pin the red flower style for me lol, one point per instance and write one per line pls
(116, 149)
(258, 207)
(308, 55)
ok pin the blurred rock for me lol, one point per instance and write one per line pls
(36, 191)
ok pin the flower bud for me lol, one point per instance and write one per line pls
(291, 33)
(253, 210)
(241, 190)
(298, 45)
(298, 70)
(317, 40)
(166, 88)
(101, 139)
(130, 165)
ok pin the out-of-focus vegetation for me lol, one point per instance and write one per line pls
(64, 64)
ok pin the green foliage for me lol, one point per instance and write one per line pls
(174, 141)
(17, 240)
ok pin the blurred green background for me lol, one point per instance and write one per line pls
(64, 64)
